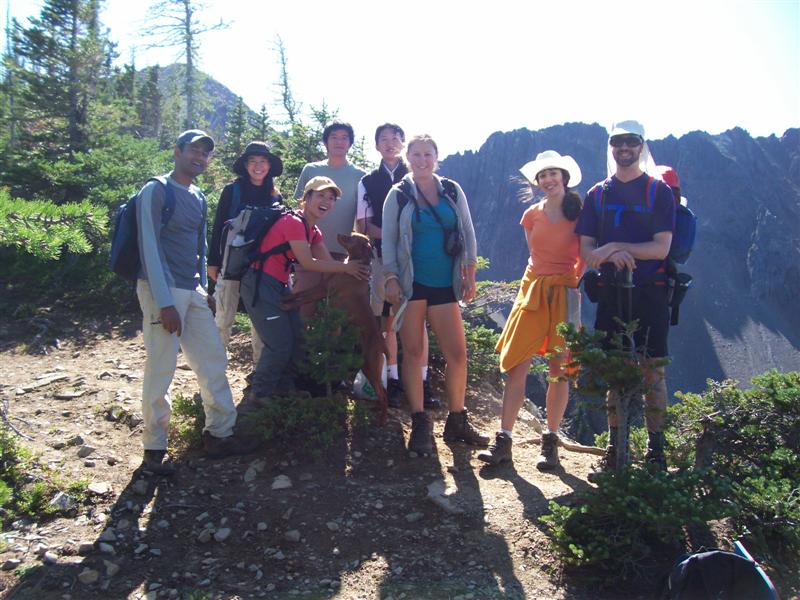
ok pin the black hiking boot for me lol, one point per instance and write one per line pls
(394, 392)
(606, 464)
(655, 457)
(499, 451)
(429, 401)
(420, 442)
(155, 462)
(548, 459)
(458, 428)
(228, 446)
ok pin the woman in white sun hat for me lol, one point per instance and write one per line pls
(548, 295)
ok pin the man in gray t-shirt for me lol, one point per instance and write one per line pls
(176, 308)
(338, 138)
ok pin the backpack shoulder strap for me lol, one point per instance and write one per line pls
(404, 195)
(168, 209)
(236, 199)
(652, 188)
(450, 190)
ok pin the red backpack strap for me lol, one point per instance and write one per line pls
(652, 187)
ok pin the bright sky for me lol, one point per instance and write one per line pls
(462, 70)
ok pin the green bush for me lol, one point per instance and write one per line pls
(27, 487)
(309, 425)
(634, 520)
(483, 363)
(751, 437)
(188, 419)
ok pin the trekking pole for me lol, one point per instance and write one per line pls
(628, 285)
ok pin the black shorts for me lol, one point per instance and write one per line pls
(649, 306)
(387, 309)
(433, 295)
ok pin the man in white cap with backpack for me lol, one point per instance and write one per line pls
(626, 228)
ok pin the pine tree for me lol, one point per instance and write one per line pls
(148, 104)
(175, 23)
(61, 56)
(261, 128)
(235, 135)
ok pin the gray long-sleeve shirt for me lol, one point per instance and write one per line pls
(172, 256)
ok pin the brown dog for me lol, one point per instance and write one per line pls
(352, 296)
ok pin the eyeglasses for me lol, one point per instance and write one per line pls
(631, 141)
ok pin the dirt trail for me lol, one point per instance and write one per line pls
(357, 523)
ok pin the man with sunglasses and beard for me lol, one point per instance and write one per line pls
(626, 228)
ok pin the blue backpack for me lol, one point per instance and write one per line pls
(683, 235)
(125, 260)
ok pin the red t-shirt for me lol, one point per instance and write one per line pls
(289, 228)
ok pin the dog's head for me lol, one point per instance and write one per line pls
(357, 245)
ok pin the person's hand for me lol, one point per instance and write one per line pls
(394, 295)
(600, 255)
(623, 260)
(467, 290)
(213, 273)
(171, 320)
(358, 270)
(212, 303)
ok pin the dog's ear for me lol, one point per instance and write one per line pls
(345, 240)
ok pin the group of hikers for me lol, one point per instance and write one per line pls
(424, 265)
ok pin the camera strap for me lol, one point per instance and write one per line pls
(435, 214)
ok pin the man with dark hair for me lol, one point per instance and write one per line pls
(337, 137)
(389, 141)
(626, 227)
(177, 309)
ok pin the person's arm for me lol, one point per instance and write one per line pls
(317, 258)
(470, 241)
(364, 215)
(301, 183)
(221, 215)
(391, 233)
(655, 249)
(148, 216)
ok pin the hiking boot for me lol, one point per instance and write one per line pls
(458, 428)
(499, 452)
(548, 459)
(429, 401)
(606, 464)
(155, 462)
(655, 451)
(394, 391)
(228, 446)
(420, 442)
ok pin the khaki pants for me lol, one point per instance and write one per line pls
(226, 293)
(204, 353)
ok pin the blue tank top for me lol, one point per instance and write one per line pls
(432, 266)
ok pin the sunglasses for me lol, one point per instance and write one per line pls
(631, 141)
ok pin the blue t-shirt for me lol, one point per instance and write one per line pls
(627, 218)
(432, 266)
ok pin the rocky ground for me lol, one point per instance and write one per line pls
(362, 521)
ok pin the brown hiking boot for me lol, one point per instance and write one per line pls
(457, 428)
(606, 464)
(420, 442)
(154, 462)
(548, 459)
(499, 451)
(228, 446)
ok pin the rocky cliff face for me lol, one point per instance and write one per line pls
(741, 317)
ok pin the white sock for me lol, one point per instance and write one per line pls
(507, 432)
(393, 372)
(424, 372)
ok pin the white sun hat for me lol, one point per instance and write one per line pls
(550, 159)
